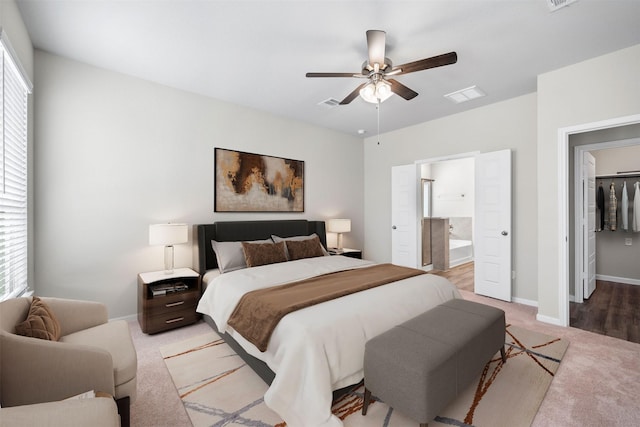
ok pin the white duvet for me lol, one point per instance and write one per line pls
(319, 349)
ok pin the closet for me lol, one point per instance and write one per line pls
(618, 202)
(617, 228)
(611, 308)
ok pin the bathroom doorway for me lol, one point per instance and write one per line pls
(489, 210)
(448, 188)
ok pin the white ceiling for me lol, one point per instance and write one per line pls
(256, 53)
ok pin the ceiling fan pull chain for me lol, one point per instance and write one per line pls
(378, 108)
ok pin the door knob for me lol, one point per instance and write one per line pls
(393, 227)
(504, 232)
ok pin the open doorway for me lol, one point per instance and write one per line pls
(447, 212)
(612, 240)
(567, 235)
(491, 219)
(448, 188)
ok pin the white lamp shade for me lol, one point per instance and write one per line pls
(168, 234)
(339, 225)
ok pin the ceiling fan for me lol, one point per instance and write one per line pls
(378, 68)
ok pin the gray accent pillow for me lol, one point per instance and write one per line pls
(230, 255)
(277, 239)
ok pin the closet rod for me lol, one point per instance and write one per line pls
(632, 175)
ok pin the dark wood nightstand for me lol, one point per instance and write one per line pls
(352, 253)
(167, 301)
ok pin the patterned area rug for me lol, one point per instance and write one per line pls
(219, 389)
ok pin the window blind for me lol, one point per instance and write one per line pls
(13, 174)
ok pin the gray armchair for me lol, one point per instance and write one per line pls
(91, 354)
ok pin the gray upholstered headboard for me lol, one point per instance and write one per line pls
(235, 231)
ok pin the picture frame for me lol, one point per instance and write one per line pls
(249, 182)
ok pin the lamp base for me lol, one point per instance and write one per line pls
(168, 260)
(339, 248)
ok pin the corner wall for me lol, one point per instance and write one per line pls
(602, 88)
(115, 153)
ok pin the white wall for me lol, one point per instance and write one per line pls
(505, 125)
(599, 89)
(453, 189)
(114, 154)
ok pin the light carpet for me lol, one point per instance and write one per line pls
(219, 389)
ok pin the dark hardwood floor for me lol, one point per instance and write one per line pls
(612, 310)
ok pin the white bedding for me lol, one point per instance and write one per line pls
(319, 349)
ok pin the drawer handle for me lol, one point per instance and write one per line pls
(174, 304)
(177, 319)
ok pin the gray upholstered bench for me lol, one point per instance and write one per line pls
(420, 366)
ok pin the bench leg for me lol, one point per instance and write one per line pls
(367, 399)
(503, 354)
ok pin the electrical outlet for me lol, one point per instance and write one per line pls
(628, 241)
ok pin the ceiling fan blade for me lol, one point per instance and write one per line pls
(353, 95)
(401, 90)
(330, 75)
(424, 64)
(376, 41)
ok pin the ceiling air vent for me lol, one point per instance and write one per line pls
(329, 103)
(464, 95)
(558, 4)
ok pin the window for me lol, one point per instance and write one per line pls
(14, 91)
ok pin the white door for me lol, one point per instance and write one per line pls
(404, 215)
(589, 224)
(492, 228)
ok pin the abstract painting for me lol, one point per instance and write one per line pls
(246, 182)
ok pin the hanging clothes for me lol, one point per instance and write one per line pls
(635, 223)
(600, 203)
(624, 208)
(613, 208)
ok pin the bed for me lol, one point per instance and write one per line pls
(316, 350)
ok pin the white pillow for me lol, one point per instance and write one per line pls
(230, 255)
(277, 239)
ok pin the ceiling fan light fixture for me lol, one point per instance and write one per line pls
(377, 68)
(376, 92)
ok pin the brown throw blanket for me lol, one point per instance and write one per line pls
(258, 312)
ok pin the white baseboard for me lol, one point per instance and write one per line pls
(460, 261)
(624, 280)
(529, 302)
(127, 318)
(548, 319)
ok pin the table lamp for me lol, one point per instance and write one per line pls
(168, 235)
(339, 226)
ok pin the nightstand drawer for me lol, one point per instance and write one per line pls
(171, 303)
(165, 321)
